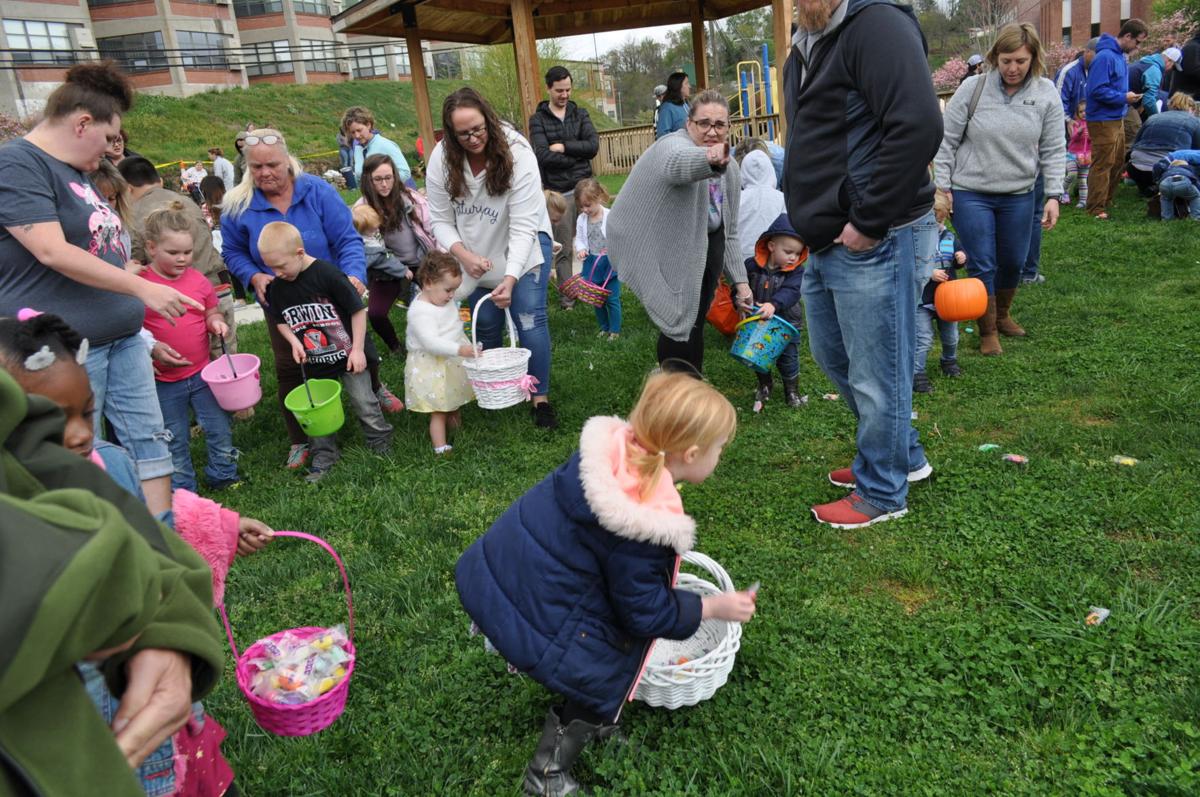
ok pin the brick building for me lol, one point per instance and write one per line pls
(1075, 21)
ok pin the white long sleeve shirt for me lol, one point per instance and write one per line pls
(504, 228)
(434, 330)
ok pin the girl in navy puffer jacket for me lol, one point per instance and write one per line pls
(576, 579)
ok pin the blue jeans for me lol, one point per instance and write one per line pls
(860, 308)
(1034, 258)
(529, 314)
(789, 361)
(609, 315)
(123, 383)
(993, 230)
(947, 330)
(177, 400)
(1178, 187)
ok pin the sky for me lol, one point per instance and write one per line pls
(584, 49)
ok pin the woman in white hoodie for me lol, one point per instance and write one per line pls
(488, 210)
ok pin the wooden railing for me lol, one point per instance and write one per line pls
(620, 148)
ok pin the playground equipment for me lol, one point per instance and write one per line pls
(758, 93)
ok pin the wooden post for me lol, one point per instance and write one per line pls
(781, 11)
(699, 51)
(529, 82)
(416, 66)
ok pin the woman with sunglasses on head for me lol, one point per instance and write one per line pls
(674, 228)
(275, 187)
(488, 210)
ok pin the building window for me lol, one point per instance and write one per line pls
(1095, 29)
(319, 55)
(267, 58)
(370, 62)
(257, 8)
(1066, 36)
(137, 52)
(33, 42)
(402, 65)
(199, 50)
(318, 7)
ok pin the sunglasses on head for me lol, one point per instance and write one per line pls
(268, 139)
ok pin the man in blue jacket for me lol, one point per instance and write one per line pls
(1154, 69)
(1071, 80)
(864, 124)
(1108, 101)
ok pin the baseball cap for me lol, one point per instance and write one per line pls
(660, 90)
(1173, 53)
(975, 60)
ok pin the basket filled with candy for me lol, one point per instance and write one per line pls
(297, 680)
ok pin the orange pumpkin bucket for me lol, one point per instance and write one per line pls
(961, 299)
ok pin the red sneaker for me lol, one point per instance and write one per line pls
(852, 512)
(844, 477)
(297, 456)
(388, 401)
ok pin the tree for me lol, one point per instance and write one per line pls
(1188, 11)
(496, 77)
(636, 66)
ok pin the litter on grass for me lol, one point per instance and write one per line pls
(831, 397)
(989, 447)
(1096, 615)
(914, 415)
(1016, 459)
(1128, 461)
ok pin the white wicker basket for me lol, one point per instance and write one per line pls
(710, 651)
(499, 376)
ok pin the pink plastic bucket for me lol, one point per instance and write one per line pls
(234, 393)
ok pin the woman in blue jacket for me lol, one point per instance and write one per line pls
(673, 113)
(280, 190)
(575, 581)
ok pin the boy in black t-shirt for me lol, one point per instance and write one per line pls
(320, 314)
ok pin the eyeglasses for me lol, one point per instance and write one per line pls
(474, 132)
(380, 179)
(709, 124)
(269, 140)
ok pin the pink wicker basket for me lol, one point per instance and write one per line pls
(584, 289)
(307, 718)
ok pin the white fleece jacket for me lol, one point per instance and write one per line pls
(434, 330)
(502, 228)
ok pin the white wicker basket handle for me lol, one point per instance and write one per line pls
(721, 577)
(512, 330)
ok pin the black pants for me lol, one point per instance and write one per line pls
(692, 350)
(1145, 181)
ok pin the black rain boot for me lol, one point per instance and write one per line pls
(549, 771)
(766, 383)
(791, 393)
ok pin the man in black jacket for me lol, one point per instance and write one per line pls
(1186, 75)
(565, 142)
(863, 127)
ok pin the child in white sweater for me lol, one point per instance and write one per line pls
(591, 241)
(434, 378)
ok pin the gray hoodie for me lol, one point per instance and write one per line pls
(1009, 140)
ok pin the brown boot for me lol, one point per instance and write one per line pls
(1005, 325)
(989, 341)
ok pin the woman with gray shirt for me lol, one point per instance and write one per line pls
(988, 163)
(674, 228)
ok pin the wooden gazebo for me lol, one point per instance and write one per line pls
(523, 22)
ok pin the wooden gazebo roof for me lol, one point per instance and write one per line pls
(491, 21)
(523, 22)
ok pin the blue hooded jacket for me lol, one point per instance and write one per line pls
(317, 210)
(780, 287)
(574, 581)
(1152, 80)
(1107, 82)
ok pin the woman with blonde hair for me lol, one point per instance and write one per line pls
(591, 555)
(1002, 128)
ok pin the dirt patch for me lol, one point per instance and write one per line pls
(912, 598)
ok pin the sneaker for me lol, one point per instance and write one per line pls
(951, 369)
(315, 476)
(1081, 205)
(297, 456)
(230, 484)
(244, 415)
(1036, 279)
(921, 383)
(544, 416)
(388, 401)
(852, 512)
(1064, 199)
(844, 477)
(614, 336)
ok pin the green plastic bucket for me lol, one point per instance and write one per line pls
(324, 415)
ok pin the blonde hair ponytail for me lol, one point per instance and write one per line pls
(675, 412)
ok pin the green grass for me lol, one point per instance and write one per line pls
(943, 653)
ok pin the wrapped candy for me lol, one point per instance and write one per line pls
(300, 666)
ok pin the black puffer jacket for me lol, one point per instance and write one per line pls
(562, 170)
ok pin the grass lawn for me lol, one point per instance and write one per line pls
(943, 653)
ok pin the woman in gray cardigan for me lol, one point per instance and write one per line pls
(988, 163)
(673, 228)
